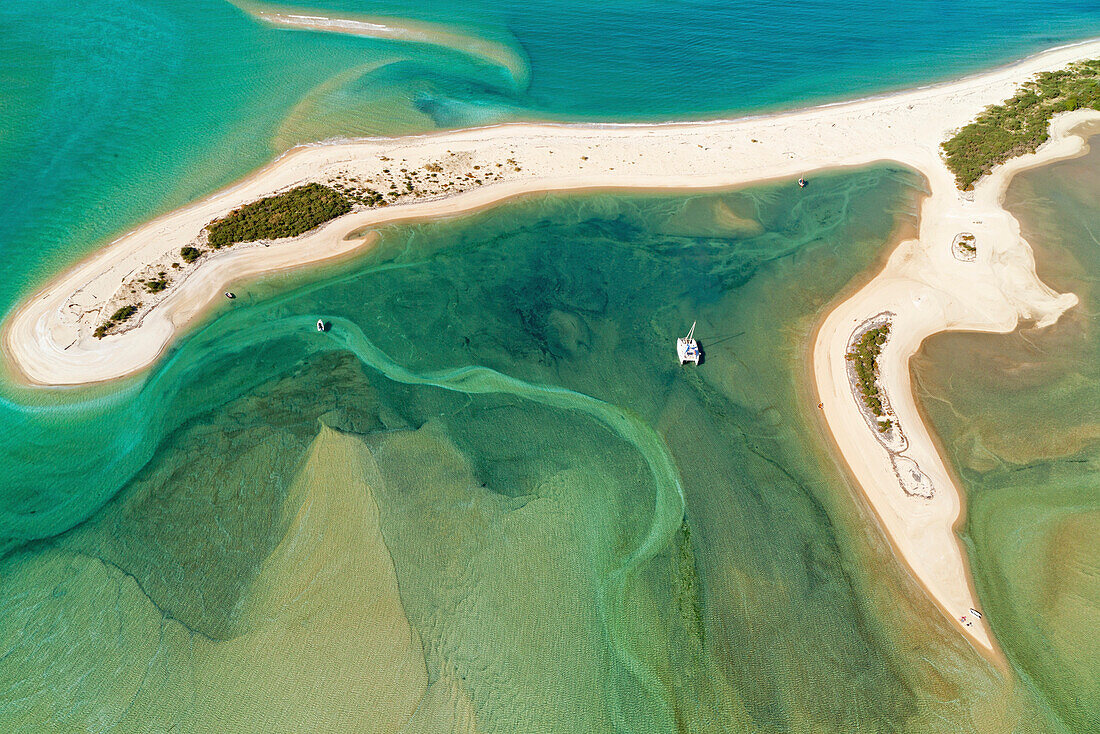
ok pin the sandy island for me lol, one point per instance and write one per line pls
(930, 284)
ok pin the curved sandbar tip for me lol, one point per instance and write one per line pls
(498, 53)
(50, 339)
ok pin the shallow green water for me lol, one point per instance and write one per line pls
(1018, 417)
(510, 379)
(509, 437)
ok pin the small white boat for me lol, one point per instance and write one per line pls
(801, 182)
(321, 326)
(230, 295)
(687, 349)
(976, 613)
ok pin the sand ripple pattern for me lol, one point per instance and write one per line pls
(668, 501)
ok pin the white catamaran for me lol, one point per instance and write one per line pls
(687, 349)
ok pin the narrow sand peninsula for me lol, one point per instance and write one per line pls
(924, 288)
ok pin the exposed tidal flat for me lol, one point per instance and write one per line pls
(286, 529)
(1017, 416)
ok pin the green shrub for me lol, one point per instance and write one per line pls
(284, 215)
(156, 286)
(116, 318)
(1019, 125)
(124, 313)
(190, 254)
(864, 358)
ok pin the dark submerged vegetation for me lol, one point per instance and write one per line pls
(288, 214)
(1019, 125)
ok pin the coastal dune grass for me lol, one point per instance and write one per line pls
(119, 316)
(288, 214)
(1019, 125)
(864, 358)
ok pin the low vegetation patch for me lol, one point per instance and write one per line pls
(157, 285)
(284, 215)
(190, 254)
(864, 359)
(124, 313)
(117, 318)
(1019, 125)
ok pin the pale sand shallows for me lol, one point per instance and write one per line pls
(49, 339)
(397, 29)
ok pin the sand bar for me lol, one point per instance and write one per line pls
(395, 29)
(925, 287)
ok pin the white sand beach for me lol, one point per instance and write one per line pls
(49, 339)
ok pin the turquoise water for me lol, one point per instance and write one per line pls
(649, 59)
(487, 491)
(115, 110)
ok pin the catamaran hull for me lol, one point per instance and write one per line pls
(688, 351)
